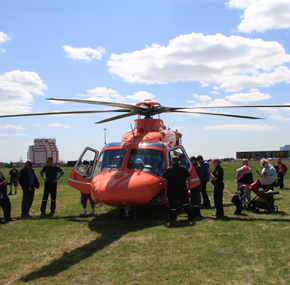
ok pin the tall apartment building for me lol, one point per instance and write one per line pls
(42, 149)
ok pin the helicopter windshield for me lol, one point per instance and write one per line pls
(148, 160)
(110, 159)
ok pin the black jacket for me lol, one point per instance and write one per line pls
(24, 178)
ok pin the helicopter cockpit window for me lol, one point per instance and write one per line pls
(110, 159)
(148, 160)
(182, 156)
(86, 163)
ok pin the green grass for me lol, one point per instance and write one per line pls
(69, 248)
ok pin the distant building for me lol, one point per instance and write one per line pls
(42, 149)
(286, 147)
(262, 154)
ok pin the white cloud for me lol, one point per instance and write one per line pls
(36, 125)
(280, 118)
(57, 125)
(103, 94)
(4, 141)
(233, 62)
(241, 127)
(85, 53)
(13, 135)
(3, 38)
(17, 89)
(140, 96)
(202, 98)
(262, 15)
(252, 96)
(215, 92)
(11, 127)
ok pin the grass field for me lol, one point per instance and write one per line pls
(69, 248)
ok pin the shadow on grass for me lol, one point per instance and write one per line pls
(110, 229)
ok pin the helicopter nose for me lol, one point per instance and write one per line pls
(128, 188)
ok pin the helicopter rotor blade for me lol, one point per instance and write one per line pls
(65, 113)
(115, 118)
(215, 114)
(105, 103)
(171, 109)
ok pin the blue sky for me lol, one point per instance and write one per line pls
(179, 53)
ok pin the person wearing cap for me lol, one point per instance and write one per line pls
(4, 200)
(176, 177)
(50, 185)
(217, 180)
(28, 181)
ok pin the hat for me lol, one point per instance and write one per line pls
(138, 161)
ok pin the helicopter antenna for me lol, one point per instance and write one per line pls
(132, 130)
(172, 124)
(169, 122)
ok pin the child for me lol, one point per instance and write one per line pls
(238, 199)
(84, 199)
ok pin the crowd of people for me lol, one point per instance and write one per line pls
(28, 182)
(178, 183)
(177, 175)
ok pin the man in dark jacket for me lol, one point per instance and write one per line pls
(195, 192)
(28, 182)
(176, 177)
(4, 200)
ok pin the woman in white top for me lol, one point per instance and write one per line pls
(268, 173)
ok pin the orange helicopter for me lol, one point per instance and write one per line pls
(127, 174)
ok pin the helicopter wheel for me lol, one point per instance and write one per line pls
(132, 214)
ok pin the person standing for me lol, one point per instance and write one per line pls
(84, 200)
(205, 178)
(50, 185)
(195, 192)
(28, 182)
(176, 177)
(13, 178)
(4, 199)
(218, 177)
(281, 170)
(268, 174)
(245, 177)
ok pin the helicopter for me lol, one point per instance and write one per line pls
(128, 173)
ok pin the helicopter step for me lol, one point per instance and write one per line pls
(127, 213)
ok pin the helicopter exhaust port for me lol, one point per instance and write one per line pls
(127, 213)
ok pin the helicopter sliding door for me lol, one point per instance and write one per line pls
(82, 173)
(184, 161)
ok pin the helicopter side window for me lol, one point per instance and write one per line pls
(110, 159)
(148, 160)
(182, 156)
(86, 163)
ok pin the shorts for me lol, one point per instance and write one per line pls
(14, 182)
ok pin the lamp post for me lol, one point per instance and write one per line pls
(105, 134)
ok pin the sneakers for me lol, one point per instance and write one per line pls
(93, 211)
(84, 212)
(15, 192)
(10, 193)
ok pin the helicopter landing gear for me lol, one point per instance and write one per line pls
(127, 213)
